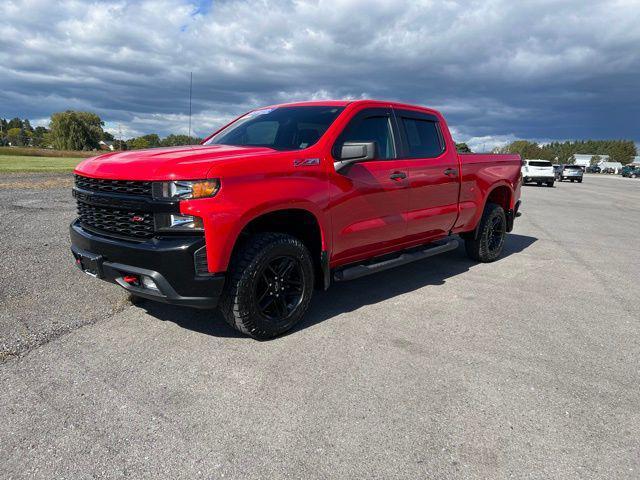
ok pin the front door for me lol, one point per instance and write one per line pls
(368, 199)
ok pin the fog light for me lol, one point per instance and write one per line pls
(147, 282)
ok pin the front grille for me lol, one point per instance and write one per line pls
(125, 187)
(120, 222)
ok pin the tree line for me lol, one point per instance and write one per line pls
(72, 130)
(621, 151)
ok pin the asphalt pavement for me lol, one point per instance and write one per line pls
(523, 368)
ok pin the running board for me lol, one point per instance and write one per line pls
(357, 271)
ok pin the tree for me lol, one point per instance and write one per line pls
(14, 123)
(107, 137)
(463, 148)
(524, 148)
(153, 140)
(137, 143)
(14, 136)
(595, 160)
(176, 140)
(76, 130)
(39, 135)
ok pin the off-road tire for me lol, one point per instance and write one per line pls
(479, 248)
(238, 304)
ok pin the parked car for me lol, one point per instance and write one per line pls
(538, 171)
(286, 199)
(630, 171)
(593, 169)
(570, 172)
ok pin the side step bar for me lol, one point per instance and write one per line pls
(357, 271)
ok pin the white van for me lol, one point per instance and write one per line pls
(538, 171)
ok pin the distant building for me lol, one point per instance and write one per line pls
(617, 166)
(106, 145)
(584, 160)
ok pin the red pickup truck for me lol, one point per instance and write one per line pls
(286, 199)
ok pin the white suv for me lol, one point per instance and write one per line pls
(538, 171)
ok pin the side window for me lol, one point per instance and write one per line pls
(423, 138)
(372, 129)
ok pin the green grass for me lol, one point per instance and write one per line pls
(47, 152)
(23, 164)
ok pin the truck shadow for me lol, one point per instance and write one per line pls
(347, 296)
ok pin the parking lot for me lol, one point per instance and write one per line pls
(524, 368)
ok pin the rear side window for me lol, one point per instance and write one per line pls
(423, 138)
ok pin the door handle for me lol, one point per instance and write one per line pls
(451, 171)
(398, 176)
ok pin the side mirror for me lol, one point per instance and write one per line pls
(354, 152)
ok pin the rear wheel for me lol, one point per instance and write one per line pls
(550, 184)
(488, 244)
(270, 285)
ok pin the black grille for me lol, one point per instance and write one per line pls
(120, 222)
(126, 187)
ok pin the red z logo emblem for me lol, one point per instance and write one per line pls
(137, 218)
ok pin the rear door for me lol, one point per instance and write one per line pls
(369, 198)
(433, 173)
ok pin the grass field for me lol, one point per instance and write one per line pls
(17, 163)
(46, 152)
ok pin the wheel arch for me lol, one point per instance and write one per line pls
(298, 222)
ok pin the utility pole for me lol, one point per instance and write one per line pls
(190, 93)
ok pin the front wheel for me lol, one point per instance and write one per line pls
(269, 287)
(580, 181)
(549, 184)
(492, 231)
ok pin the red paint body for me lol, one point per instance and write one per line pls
(361, 214)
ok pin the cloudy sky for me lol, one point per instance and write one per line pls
(498, 69)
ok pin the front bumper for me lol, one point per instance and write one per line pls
(169, 261)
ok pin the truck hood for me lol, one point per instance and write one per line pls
(176, 163)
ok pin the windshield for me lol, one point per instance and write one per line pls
(281, 128)
(539, 164)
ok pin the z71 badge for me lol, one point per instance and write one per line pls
(306, 162)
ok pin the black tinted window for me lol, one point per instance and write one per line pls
(372, 129)
(282, 128)
(423, 138)
(539, 164)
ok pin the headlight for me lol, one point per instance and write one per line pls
(186, 189)
(171, 222)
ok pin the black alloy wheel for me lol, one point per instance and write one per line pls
(280, 288)
(496, 233)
